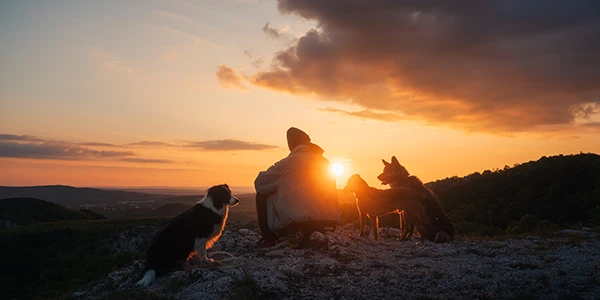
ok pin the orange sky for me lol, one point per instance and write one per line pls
(210, 88)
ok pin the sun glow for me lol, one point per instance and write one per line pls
(337, 169)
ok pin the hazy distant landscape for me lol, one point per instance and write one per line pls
(66, 225)
(116, 203)
(563, 190)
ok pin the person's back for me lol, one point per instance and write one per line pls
(299, 188)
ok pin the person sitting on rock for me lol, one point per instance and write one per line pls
(297, 195)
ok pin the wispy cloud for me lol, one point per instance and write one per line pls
(151, 144)
(27, 146)
(228, 78)
(55, 150)
(591, 124)
(229, 145)
(367, 114)
(270, 31)
(109, 61)
(256, 62)
(175, 16)
(147, 160)
(94, 144)
(171, 56)
(281, 33)
(14, 137)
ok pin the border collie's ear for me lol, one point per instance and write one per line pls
(226, 186)
(395, 161)
(385, 163)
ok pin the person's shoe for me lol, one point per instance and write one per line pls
(295, 239)
(266, 244)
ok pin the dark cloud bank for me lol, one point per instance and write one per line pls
(478, 65)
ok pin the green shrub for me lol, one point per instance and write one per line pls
(530, 224)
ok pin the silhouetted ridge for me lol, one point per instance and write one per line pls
(563, 189)
(71, 196)
(26, 211)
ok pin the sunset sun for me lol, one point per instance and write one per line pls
(337, 169)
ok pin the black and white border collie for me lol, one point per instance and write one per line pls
(196, 229)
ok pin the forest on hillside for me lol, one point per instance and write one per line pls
(558, 191)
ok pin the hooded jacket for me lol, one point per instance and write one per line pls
(300, 188)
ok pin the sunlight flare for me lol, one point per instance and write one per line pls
(338, 169)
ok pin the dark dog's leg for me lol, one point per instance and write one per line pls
(362, 219)
(411, 230)
(405, 226)
(400, 216)
(375, 225)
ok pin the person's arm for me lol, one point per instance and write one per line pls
(267, 181)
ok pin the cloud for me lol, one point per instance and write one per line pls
(228, 78)
(55, 150)
(367, 114)
(258, 62)
(147, 160)
(229, 145)
(171, 56)
(591, 124)
(151, 144)
(271, 31)
(282, 33)
(14, 137)
(94, 144)
(109, 61)
(216, 145)
(487, 65)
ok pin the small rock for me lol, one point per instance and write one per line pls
(275, 253)
(291, 272)
(328, 261)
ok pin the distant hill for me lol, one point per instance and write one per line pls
(16, 212)
(563, 189)
(72, 196)
(171, 209)
(238, 190)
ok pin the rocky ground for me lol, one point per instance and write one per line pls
(339, 265)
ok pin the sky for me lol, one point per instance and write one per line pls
(196, 93)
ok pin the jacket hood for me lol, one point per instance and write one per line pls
(310, 147)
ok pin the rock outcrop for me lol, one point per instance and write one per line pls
(339, 265)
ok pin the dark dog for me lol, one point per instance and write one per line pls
(372, 203)
(397, 176)
(196, 229)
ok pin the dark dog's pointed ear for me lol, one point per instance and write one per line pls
(395, 161)
(385, 163)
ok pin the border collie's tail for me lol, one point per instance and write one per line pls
(148, 278)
